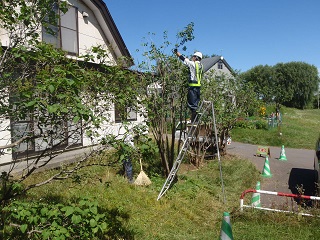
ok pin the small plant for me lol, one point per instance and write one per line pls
(261, 124)
(245, 124)
(262, 111)
(8, 187)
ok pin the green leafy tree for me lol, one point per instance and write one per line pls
(58, 99)
(165, 100)
(232, 98)
(50, 93)
(296, 83)
(292, 84)
(261, 77)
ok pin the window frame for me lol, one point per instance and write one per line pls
(131, 113)
(60, 43)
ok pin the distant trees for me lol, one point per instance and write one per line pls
(261, 79)
(296, 84)
(292, 84)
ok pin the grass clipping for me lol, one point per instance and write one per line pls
(142, 179)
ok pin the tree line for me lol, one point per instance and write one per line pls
(292, 84)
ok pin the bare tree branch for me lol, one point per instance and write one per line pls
(16, 143)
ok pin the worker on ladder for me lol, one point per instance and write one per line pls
(194, 84)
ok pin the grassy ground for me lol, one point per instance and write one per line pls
(299, 129)
(194, 206)
(191, 209)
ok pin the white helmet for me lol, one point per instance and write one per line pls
(198, 54)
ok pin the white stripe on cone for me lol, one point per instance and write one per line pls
(226, 231)
(255, 201)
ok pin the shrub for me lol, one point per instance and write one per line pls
(245, 124)
(261, 124)
(37, 220)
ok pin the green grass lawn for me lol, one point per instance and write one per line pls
(192, 209)
(299, 129)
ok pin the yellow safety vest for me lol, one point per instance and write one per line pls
(198, 76)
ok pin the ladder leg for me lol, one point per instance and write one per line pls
(186, 144)
(218, 152)
(182, 152)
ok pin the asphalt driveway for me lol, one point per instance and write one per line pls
(296, 175)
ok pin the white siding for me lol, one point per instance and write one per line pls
(93, 31)
(5, 139)
(90, 31)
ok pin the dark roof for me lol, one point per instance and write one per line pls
(210, 62)
(101, 5)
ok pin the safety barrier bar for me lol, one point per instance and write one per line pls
(276, 194)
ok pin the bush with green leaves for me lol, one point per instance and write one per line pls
(38, 220)
(252, 124)
(261, 124)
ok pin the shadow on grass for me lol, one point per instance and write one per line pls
(303, 181)
(116, 228)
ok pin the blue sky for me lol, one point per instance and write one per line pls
(246, 33)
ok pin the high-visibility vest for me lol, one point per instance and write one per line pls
(199, 72)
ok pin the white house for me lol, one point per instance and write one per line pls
(218, 65)
(87, 23)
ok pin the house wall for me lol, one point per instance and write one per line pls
(111, 127)
(5, 139)
(92, 32)
(4, 38)
(221, 72)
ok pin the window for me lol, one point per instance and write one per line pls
(129, 114)
(35, 136)
(220, 65)
(65, 34)
(63, 134)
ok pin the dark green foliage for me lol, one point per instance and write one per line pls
(261, 79)
(296, 83)
(292, 84)
(261, 124)
(8, 187)
(81, 220)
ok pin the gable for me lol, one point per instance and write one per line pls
(217, 64)
(96, 27)
(89, 24)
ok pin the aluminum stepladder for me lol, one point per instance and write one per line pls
(204, 107)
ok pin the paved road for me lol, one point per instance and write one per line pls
(286, 175)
